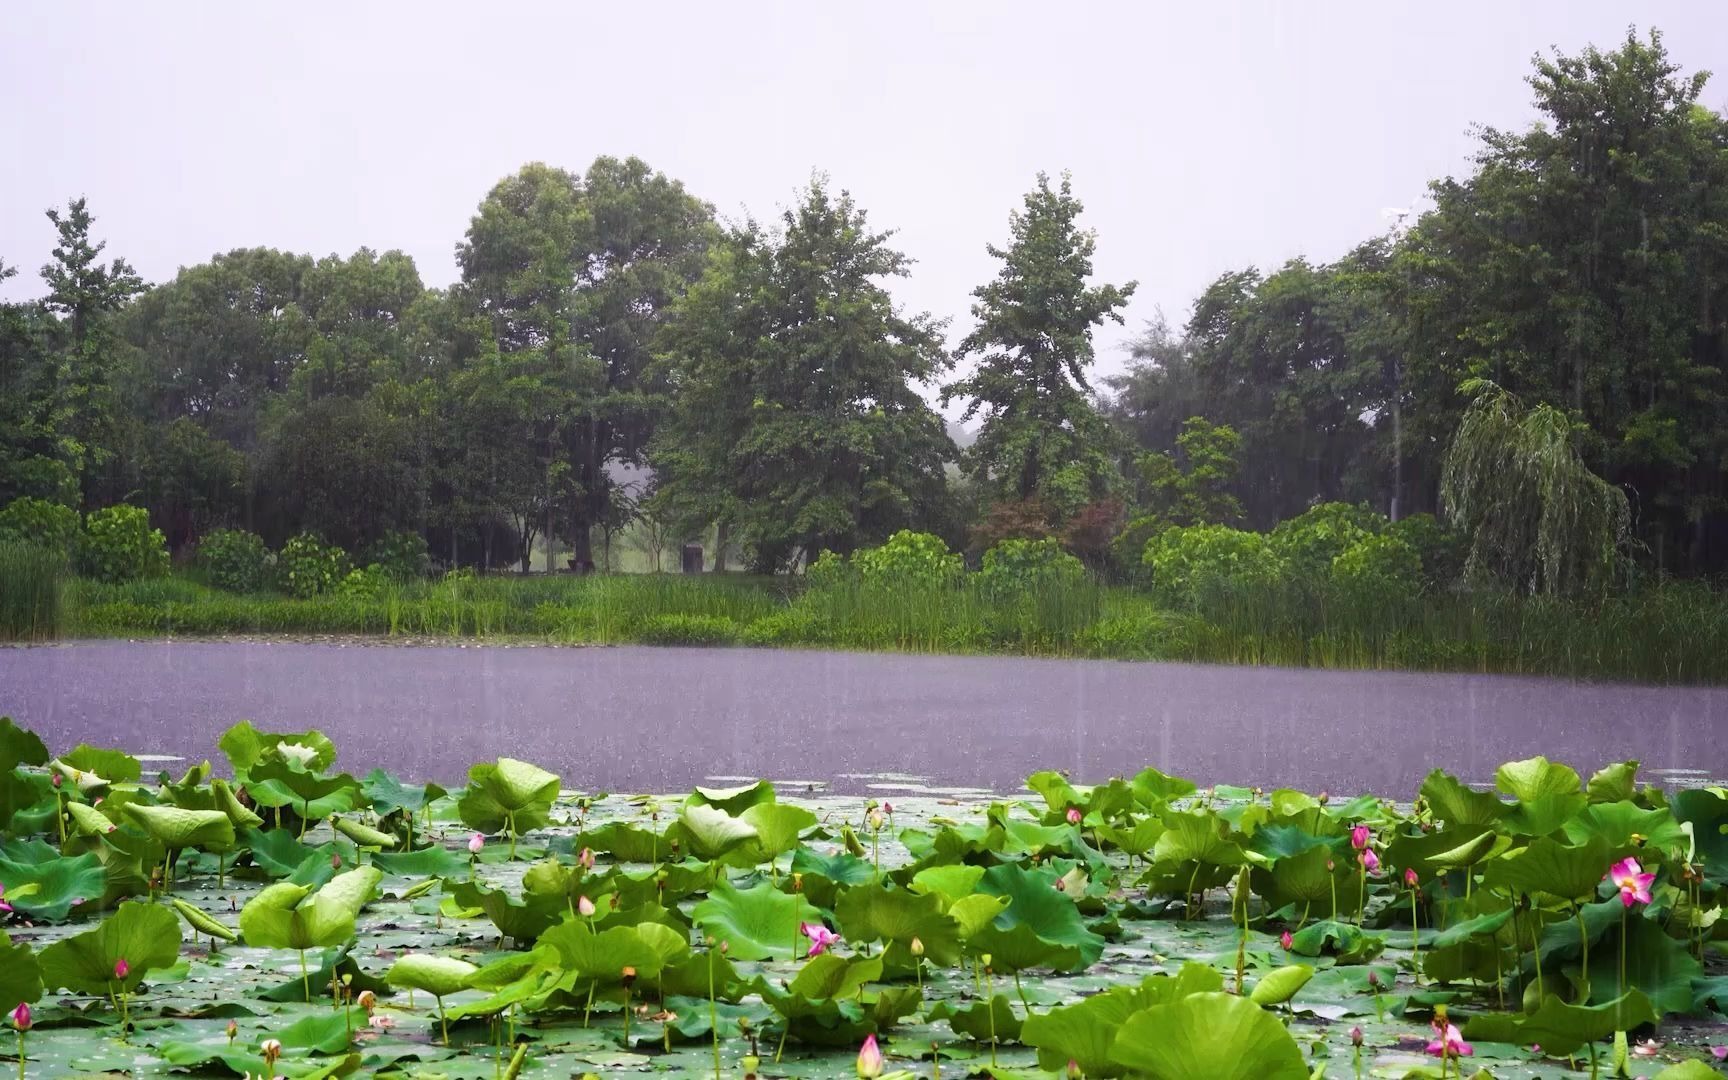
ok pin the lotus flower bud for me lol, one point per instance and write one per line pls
(627, 976)
(368, 1001)
(21, 1017)
(869, 1059)
(272, 1050)
(233, 1030)
(122, 969)
(1285, 940)
(1073, 815)
(585, 907)
(917, 947)
(1356, 1036)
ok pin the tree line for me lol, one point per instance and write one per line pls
(763, 377)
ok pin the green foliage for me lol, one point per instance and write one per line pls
(399, 556)
(1026, 566)
(908, 560)
(119, 545)
(1310, 542)
(309, 567)
(1187, 560)
(688, 630)
(48, 525)
(1376, 567)
(1192, 485)
(30, 605)
(235, 560)
(365, 583)
(1040, 437)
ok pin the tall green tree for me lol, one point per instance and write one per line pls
(84, 293)
(1041, 438)
(796, 416)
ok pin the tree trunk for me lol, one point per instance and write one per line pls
(722, 532)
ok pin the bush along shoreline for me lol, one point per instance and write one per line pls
(1339, 587)
(288, 918)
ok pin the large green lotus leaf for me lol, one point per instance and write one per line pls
(530, 985)
(1468, 853)
(1616, 823)
(1197, 837)
(1536, 778)
(114, 766)
(507, 792)
(363, 834)
(973, 913)
(982, 1021)
(1548, 867)
(146, 936)
(178, 828)
(61, 883)
(1036, 903)
(20, 976)
(327, 964)
(824, 874)
(24, 797)
(387, 794)
(690, 975)
(436, 861)
(245, 746)
(1351, 944)
(279, 854)
(1706, 813)
(1481, 925)
(1217, 1036)
(248, 1061)
(278, 782)
(1457, 805)
(439, 976)
(1030, 838)
(603, 956)
(1136, 839)
(1613, 783)
(668, 944)
(19, 746)
(201, 921)
(1154, 788)
(1280, 984)
(1084, 1032)
(1540, 817)
(522, 920)
(224, 799)
(759, 923)
(1305, 881)
(1688, 1070)
(874, 913)
(777, 825)
(831, 976)
(733, 800)
(89, 821)
(1019, 948)
(1560, 1028)
(1058, 793)
(1657, 965)
(1282, 840)
(713, 832)
(951, 883)
(290, 916)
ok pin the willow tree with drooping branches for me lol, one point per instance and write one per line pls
(1536, 516)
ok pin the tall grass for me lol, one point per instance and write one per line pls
(30, 592)
(1664, 633)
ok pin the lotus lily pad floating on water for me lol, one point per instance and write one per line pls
(1104, 924)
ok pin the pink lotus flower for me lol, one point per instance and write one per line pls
(122, 968)
(1284, 940)
(4, 906)
(1359, 836)
(586, 859)
(1721, 1052)
(1449, 1042)
(1633, 883)
(1370, 861)
(1356, 1036)
(1410, 877)
(821, 938)
(475, 843)
(1073, 815)
(21, 1016)
(869, 1059)
(585, 907)
(380, 1022)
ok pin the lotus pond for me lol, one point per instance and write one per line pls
(289, 919)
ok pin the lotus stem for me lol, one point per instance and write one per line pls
(1583, 946)
(305, 979)
(514, 1069)
(443, 1021)
(713, 1016)
(21, 1059)
(1415, 941)
(60, 820)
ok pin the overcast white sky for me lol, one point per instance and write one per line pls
(1202, 136)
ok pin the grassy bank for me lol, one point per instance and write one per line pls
(30, 608)
(1673, 633)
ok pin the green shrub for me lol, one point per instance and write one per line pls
(399, 556)
(365, 583)
(1378, 567)
(1310, 541)
(235, 560)
(309, 567)
(687, 630)
(47, 525)
(829, 570)
(29, 591)
(1188, 559)
(793, 626)
(1021, 566)
(119, 545)
(910, 560)
(1441, 550)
